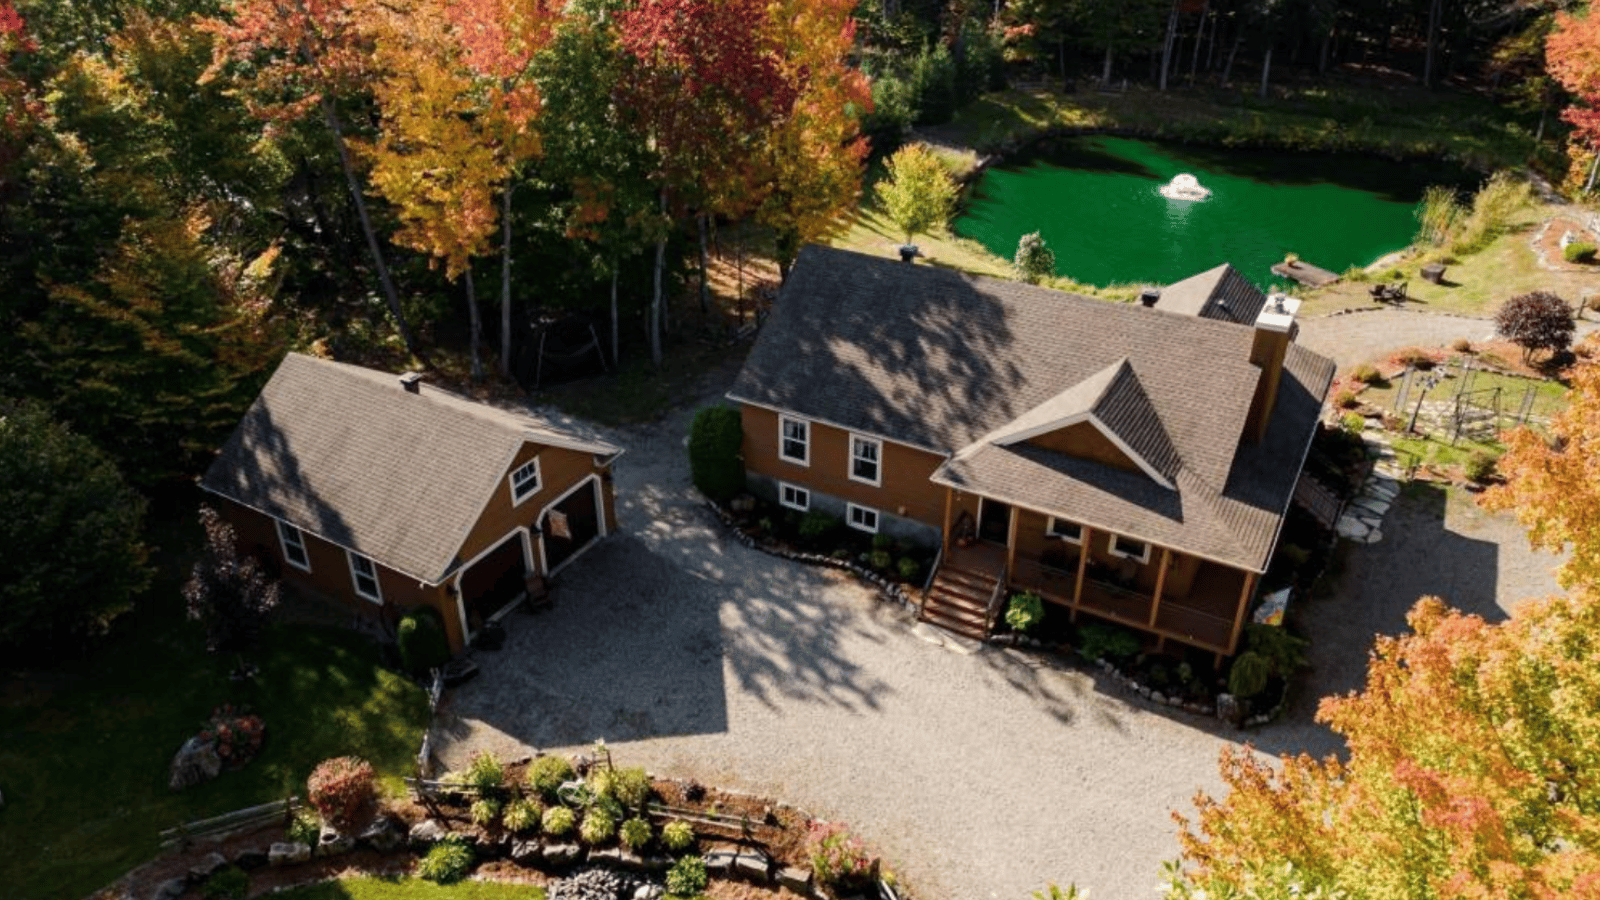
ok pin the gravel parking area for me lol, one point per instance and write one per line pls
(979, 774)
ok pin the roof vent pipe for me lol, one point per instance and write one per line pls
(412, 382)
(1149, 296)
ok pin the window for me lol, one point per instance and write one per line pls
(525, 481)
(365, 576)
(794, 497)
(294, 546)
(1071, 532)
(864, 456)
(862, 518)
(1129, 548)
(794, 440)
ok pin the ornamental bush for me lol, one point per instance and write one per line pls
(522, 815)
(631, 787)
(547, 773)
(598, 826)
(1025, 611)
(558, 821)
(908, 568)
(635, 833)
(1535, 321)
(230, 883)
(817, 526)
(235, 734)
(1578, 252)
(447, 861)
(677, 835)
(687, 877)
(484, 811)
(486, 774)
(344, 790)
(1249, 674)
(422, 641)
(1034, 261)
(716, 460)
(838, 858)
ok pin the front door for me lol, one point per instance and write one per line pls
(994, 521)
(570, 525)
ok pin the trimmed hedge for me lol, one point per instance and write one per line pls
(422, 641)
(716, 462)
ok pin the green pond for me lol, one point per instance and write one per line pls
(1096, 201)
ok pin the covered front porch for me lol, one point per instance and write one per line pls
(1166, 593)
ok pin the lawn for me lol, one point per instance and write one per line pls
(84, 752)
(411, 889)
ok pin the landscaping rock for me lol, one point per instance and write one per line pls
(649, 892)
(1229, 709)
(383, 834)
(206, 866)
(196, 763)
(795, 879)
(526, 851)
(250, 858)
(332, 842)
(591, 884)
(170, 889)
(657, 863)
(561, 854)
(721, 862)
(754, 865)
(606, 856)
(427, 833)
(288, 853)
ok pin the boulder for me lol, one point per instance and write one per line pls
(287, 854)
(383, 834)
(332, 841)
(795, 879)
(648, 892)
(196, 763)
(427, 833)
(525, 852)
(207, 866)
(170, 889)
(610, 856)
(250, 858)
(754, 865)
(561, 854)
(721, 862)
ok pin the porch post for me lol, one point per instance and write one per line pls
(1087, 534)
(1011, 544)
(944, 539)
(1238, 617)
(1161, 580)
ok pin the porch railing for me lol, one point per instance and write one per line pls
(991, 614)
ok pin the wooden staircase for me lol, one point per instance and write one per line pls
(958, 601)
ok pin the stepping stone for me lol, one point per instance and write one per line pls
(1352, 528)
(1385, 488)
(1373, 537)
(1376, 506)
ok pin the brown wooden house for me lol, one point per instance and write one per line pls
(1132, 462)
(385, 493)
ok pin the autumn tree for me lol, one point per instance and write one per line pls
(228, 591)
(1572, 53)
(294, 60)
(918, 194)
(1470, 773)
(1536, 321)
(1550, 482)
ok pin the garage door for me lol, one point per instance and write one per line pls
(570, 525)
(494, 580)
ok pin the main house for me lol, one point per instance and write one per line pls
(1131, 462)
(387, 493)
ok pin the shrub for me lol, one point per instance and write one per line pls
(602, 782)
(908, 568)
(228, 591)
(881, 559)
(304, 828)
(547, 773)
(235, 734)
(687, 877)
(1100, 641)
(1346, 400)
(522, 815)
(421, 639)
(1034, 261)
(1353, 423)
(677, 835)
(231, 883)
(1439, 216)
(1480, 466)
(1284, 652)
(598, 826)
(447, 861)
(486, 774)
(1578, 252)
(557, 821)
(1461, 345)
(1294, 555)
(484, 811)
(635, 833)
(837, 857)
(716, 462)
(881, 541)
(1492, 207)
(1416, 359)
(816, 526)
(633, 787)
(344, 790)
(1249, 674)
(1025, 611)
(1366, 373)
(1536, 321)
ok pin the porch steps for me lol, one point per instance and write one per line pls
(958, 601)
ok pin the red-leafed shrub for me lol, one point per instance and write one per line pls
(344, 790)
(235, 734)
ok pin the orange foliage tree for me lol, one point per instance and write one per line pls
(1572, 55)
(1473, 772)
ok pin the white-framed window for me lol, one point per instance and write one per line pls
(525, 481)
(364, 575)
(861, 518)
(794, 497)
(293, 542)
(866, 455)
(1068, 531)
(1128, 548)
(794, 440)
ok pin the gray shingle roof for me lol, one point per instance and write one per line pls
(345, 453)
(948, 361)
(1220, 293)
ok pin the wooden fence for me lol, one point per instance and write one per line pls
(238, 820)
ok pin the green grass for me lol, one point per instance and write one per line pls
(84, 755)
(1549, 396)
(411, 889)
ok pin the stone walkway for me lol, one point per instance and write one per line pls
(1362, 521)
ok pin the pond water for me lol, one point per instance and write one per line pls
(1097, 202)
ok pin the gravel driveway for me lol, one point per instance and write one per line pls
(1364, 335)
(978, 775)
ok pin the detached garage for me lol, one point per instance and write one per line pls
(384, 493)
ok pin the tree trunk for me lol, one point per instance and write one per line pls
(1105, 73)
(1266, 69)
(1199, 38)
(1233, 53)
(1166, 47)
(1434, 12)
(616, 266)
(390, 297)
(477, 328)
(705, 287)
(505, 282)
(655, 296)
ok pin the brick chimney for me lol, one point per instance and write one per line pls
(1275, 330)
